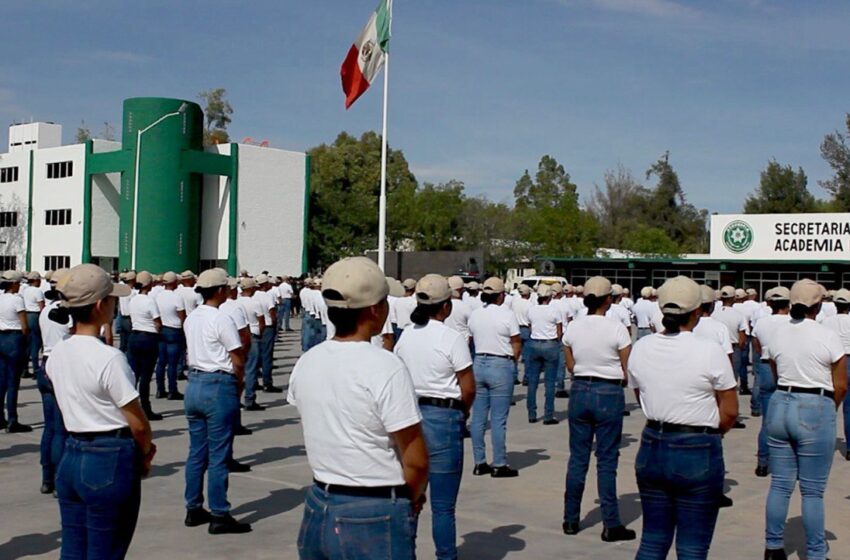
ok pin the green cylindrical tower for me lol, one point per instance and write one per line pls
(160, 225)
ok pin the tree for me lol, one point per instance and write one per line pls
(108, 132)
(83, 133)
(836, 152)
(667, 209)
(620, 208)
(781, 190)
(217, 111)
(435, 223)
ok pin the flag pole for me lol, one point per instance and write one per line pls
(382, 201)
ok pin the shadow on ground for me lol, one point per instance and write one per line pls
(276, 503)
(492, 545)
(18, 449)
(528, 458)
(630, 511)
(795, 537)
(33, 544)
(272, 454)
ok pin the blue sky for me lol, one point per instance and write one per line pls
(479, 89)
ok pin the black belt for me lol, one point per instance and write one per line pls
(402, 491)
(89, 436)
(806, 390)
(10, 331)
(544, 340)
(495, 356)
(595, 379)
(33, 312)
(257, 336)
(668, 428)
(454, 404)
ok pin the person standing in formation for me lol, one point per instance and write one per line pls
(216, 362)
(362, 428)
(125, 326)
(738, 328)
(458, 319)
(440, 364)
(171, 340)
(810, 364)
(144, 339)
(596, 347)
(14, 328)
(710, 328)
(544, 351)
(305, 295)
(286, 293)
(33, 303)
(520, 306)
(686, 389)
(840, 324)
(498, 346)
(404, 307)
(644, 310)
(264, 296)
(109, 447)
(256, 317)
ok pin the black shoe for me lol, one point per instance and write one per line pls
(626, 413)
(776, 554)
(618, 533)
(504, 472)
(513, 403)
(223, 524)
(152, 416)
(18, 428)
(175, 396)
(196, 517)
(160, 394)
(533, 420)
(235, 466)
(562, 394)
(570, 527)
(525, 382)
(257, 387)
(47, 488)
(847, 456)
(739, 425)
(272, 389)
(482, 469)
(726, 501)
(3, 424)
(755, 413)
(242, 431)
(255, 407)
(550, 422)
(761, 471)
(516, 382)
(182, 377)
(745, 391)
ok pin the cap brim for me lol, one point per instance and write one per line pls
(121, 290)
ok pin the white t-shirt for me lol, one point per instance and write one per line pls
(403, 309)
(191, 298)
(492, 327)
(713, 329)
(458, 320)
(143, 313)
(285, 291)
(619, 313)
(827, 309)
(169, 304)
(377, 340)
(156, 289)
(474, 302)
(433, 354)
(32, 297)
(520, 308)
(236, 312)
(644, 311)
(677, 376)
(253, 311)
(92, 382)
(52, 333)
(764, 330)
(734, 321)
(596, 343)
(544, 321)
(210, 335)
(10, 306)
(124, 303)
(746, 308)
(759, 314)
(351, 397)
(804, 352)
(304, 294)
(266, 301)
(841, 325)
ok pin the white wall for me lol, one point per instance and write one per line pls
(106, 200)
(215, 212)
(34, 136)
(14, 197)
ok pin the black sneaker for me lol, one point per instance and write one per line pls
(242, 431)
(482, 469)
(223, 524)
(161, 394)
(18, 428)
(153, 416)
(726, 501)
(196, 517)
(550, 422)
(533, 420)
(626, 413)
(255, 407)
(739, 425)
(47, 487)
(235, 466)
(272, 389)
(182, 377)
(570, 527)
(175, 396)
(516, 381)
(755, 413)
(504, 472)
(619, 533)
(847, 456)
(525, 382)
(562, 394)
(3, 424)
(745, 391)
(775, 554)
(761, 471)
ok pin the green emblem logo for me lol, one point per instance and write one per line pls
(738, 236)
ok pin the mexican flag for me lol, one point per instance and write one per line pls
(366, 56)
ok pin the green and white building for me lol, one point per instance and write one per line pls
(158, 200)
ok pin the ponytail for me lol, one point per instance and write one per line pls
(424, 312)
(673, 323)
(799, 311)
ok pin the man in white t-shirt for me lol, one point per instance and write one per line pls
(362, 427)
(256, 317)
(266, 299)
(285, 291)
(143, 348)
(172, 313)
(216, 362)
(709, 327)
(124, 327)
(644, 310)
(404, 306)
(191, 300)
(13, 333)
(520, 306)
(305, 297)
(33, 304)
(459, 318)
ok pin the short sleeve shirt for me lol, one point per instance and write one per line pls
(33, 296)
(458, 320)
(595, 342)
(714, 330)
(492, 327)
(10, 306)
(170, 304)
(544, 321)
(143, 313)
(433, 354)
(210, 336)
(232, 309)
(253, 311)
(840, 324)
(804, 352)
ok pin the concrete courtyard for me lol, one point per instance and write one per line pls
(497, 519)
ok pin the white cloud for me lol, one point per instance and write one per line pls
(654, 8)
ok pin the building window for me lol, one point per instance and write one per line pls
(8, 219)
(60, 169)
(57, 217)
(56, 262)
(8, 263)
(8, 174)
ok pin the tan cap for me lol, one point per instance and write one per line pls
(654, 292)
(262, 279)
(556, 288)
(130, 276)
(59, 274)
(169, 277)
(616, 290)
(232, 282)
(544, 290)
(524, 289)
(779, 293)
(740, 293)
(841, 296)
(598, 286)
(727, 292)
(33, 275)
(13, 276)
(752, 292)
(409, 284)
(455, 283)
(354, 283)
(473, 286)
(580, 289)
(247, 283)
(806, 292)
(212, 278)
(626, 291)
(707, 294)
(395, 287)
(432, 289)
(86, 284)
(493, 285)
(646, 292)
(679, 295)
(144, 278)
(187, 275)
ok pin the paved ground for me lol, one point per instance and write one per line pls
(515, 518)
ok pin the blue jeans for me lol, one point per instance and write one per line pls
(596, 410)
(171, 342)
(252, 369)
(12, 364)
(124, 329)
(755, 399)
(305, 331)
(561, 383)
(767, 385)
(680, 480)
(337, 526)
(443, 431)
(845, 409)
(643, 331)
(266, 355)
(743, 362)
(801, 435)
(211, 403)
(494, 390)
(285, 314)
(142, 354)
(99, 488)
(543, 356)
(34, 339)
(525, 336)
(54, 434)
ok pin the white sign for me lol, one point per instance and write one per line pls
(781, 237)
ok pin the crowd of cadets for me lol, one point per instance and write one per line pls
(395, 375)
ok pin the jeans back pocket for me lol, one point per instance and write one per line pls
(98, 467)
(365, 538)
